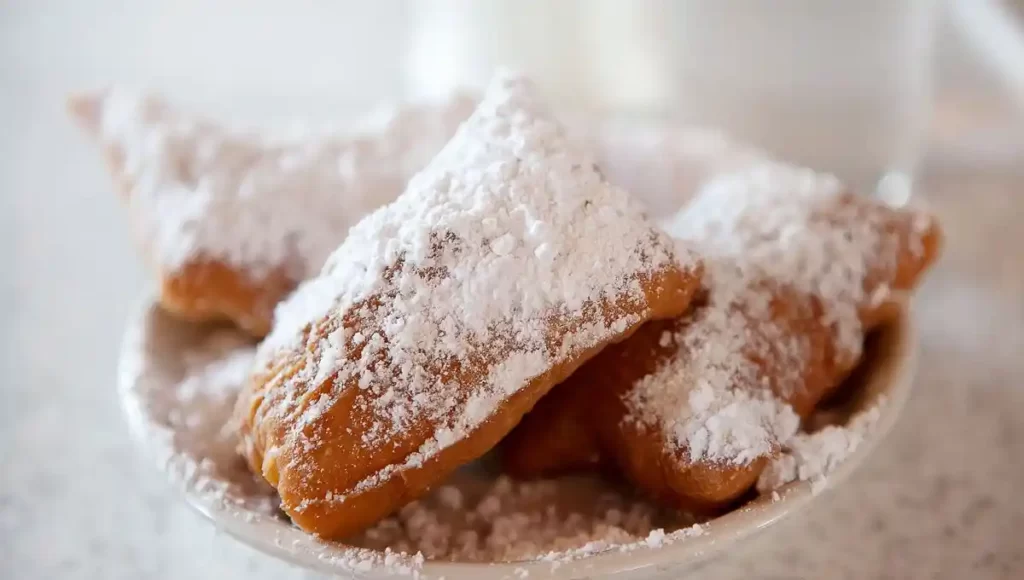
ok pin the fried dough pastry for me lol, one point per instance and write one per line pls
(691, 410)
(444, 316)
(232, 221)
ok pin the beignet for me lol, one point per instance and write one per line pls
(442, 319)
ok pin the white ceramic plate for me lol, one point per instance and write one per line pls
(182, 431)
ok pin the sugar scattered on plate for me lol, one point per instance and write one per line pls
(812, 457)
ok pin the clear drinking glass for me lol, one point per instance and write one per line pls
(836, 85)
(605, 56)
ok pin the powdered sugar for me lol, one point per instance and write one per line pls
(656, 538)
(813, 456)
(711, 397)
(762, 227)
(787, 224)
(509, 229)
(213, 374)
(256, 200)
(480, 520)
(181, 406)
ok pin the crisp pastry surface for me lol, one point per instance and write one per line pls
(692, 409)
(231, 220)
(444, 316)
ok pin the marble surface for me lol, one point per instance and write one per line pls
(940, 499)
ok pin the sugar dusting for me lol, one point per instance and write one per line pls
(714, 397)
(669, 169)
(761, 226)
(480, 519)
(788, 224)
(813, 456)
(710, 399)
(212, 373)
(206, 394)
(259, 201)
(510, 227)
(180, 407)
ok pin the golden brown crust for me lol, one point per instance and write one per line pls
(211, 291)
(594, 398)
(589, 414)
(334, 499)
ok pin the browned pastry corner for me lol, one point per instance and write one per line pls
(204, 291)
(231, 221)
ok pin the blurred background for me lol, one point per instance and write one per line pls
(899, 96)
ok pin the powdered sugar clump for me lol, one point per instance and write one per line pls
(787, 224)
(256, 200)
(813, 456)
(711, 397)
(510, 228)
(714, 424)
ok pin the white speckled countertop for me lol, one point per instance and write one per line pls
(940, 499)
